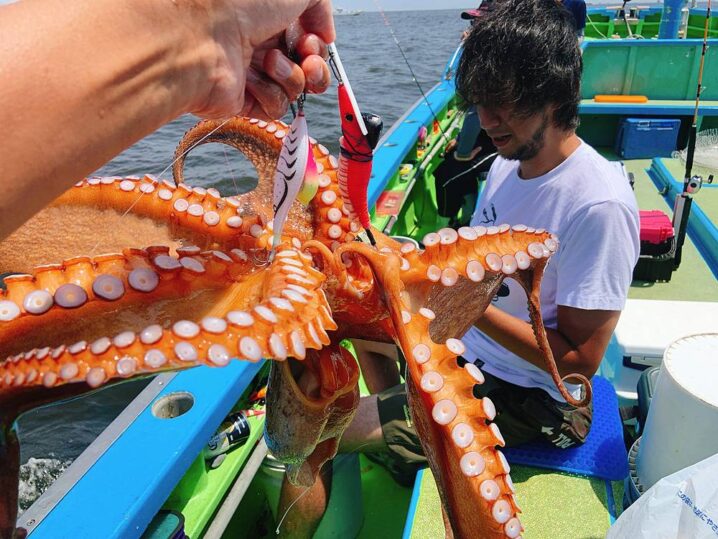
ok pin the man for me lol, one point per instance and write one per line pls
(526, 90)
(577, 9)
(467, 158)
(521, 69)
(472, 15)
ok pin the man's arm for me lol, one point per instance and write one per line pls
(594, 271)
(83, 80)
(578, 343)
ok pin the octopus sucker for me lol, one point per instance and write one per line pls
(202, 289)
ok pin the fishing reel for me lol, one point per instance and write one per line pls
(374, 125)
(695, 183)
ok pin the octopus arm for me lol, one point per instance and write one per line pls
(459, 273)
(108, 214)
(146, 311)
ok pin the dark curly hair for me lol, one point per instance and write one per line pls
(523, 54)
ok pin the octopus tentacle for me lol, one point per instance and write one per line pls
(308, 409)
(480, 258)
(276, 315)
(458, 437)
(530, 281)
(460, 272)
(261, 142)
(108, 214)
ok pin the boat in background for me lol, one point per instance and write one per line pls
(339, 11)
(644, 22)
(147, 471)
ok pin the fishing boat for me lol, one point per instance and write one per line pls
(630, 20)
(149, 475)
(342, 11)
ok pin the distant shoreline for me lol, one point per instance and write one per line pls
(617, 3)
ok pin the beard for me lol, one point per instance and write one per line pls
(530, 149)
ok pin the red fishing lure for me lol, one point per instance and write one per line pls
(360, 134)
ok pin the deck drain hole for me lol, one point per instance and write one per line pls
(173, 405)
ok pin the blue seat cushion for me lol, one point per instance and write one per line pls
(602, 455)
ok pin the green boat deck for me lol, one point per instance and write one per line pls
(694, 280)
(554, 504)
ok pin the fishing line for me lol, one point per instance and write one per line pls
(324, 470)
(479, 163)
(159, 176)
(413, 75)
(220, 126)
(231, 170)
(279, 525)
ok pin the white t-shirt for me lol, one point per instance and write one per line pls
(588, 203)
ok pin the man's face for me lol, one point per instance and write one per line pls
(515, 136)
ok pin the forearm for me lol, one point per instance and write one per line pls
(65, 114)
(518, 337)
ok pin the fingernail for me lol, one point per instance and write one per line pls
(283, 67)
(315, 77)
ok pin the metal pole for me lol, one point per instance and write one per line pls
(682, 207)
(234, 497)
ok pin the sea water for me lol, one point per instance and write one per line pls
(52, 437)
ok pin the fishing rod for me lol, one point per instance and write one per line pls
(413, 75)
(691, 184)
(625, 18)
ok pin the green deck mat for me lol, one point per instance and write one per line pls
(706, 198)
(385, 502)
(554, 504)
(694, 280)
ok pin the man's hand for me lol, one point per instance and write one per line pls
(267, 53)
(113, 72)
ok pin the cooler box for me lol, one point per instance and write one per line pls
(656, 262)
(644, 331)
(642, 138)
(656, 232)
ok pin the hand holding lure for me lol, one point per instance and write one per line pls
(360, 134)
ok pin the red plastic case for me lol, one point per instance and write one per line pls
(656, 232)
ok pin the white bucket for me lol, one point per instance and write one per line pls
(682, 424)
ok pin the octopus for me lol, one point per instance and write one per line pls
(203, 291)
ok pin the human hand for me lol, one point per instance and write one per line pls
(251, 73)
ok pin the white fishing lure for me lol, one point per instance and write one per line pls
(291, 167)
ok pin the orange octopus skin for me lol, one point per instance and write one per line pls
(202, 291)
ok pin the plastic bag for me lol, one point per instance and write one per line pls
(681, 505)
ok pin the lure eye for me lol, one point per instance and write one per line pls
(349, 117)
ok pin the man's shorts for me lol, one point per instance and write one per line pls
(523, 414)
